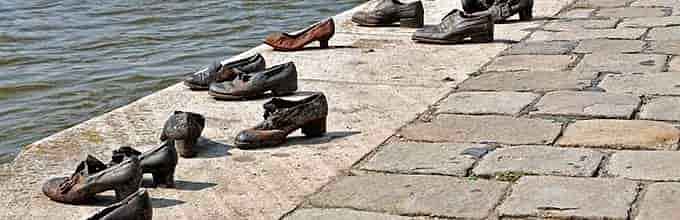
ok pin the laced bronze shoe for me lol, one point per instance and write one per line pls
(458, 27)
(137, 206)
(280, 80)
(282, 117)
(92, 177)
(218, 72)
(322, 32)
(501, 10)
(184, 128)
(159, 161)
(388, 12)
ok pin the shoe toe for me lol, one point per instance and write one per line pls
(223, 88)
(51, 189)
(249, 139)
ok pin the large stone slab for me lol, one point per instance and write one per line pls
(479, 103)
(619, 33)
(580, 25)
(661, 201)
(499, 129)
(422, 158)
(631, 12)
(539, 81)
(413, 195)
(662, 108)
(664, 47)
(587, 104)
(531, 62)
(645, 165)
(570, 198)
(341, 214)
(646, 22)
(621, 134)
(666, 83)
(664, 33)
(540, 160)
(609, 46)
(541, 47)
(622, 63)
(655, 3)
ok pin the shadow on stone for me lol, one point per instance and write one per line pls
(328, 137)
(206, 148)
(107, 200)
(192, 186)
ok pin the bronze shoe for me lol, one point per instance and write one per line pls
(135, 207)
(281, 117)
(322, 32)
(92, 177)
(159, 161)
(456, 27)
(501, 10)
(218, 72)
(388, 12)
(184, 128)
(280, 80)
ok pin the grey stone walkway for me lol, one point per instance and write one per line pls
(571, 116)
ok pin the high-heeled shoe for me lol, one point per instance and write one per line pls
(281, 117)
(137, 206)
(218, 72)
(280, 80)
(322, 32)
(500, 10)
(92, 177)
(184, 128)
(159, 161)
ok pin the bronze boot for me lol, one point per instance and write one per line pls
(322, 32)
(388, 12)
(281, 117)
(135, 207)
(91, 178)
(184, 128)
(219, 72)
(280, 80)
(159, 161)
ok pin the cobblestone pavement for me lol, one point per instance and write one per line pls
(580, 120)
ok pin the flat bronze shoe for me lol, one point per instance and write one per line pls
(280, 80)
(137, 206)
(388, 12)
(282, 117)
(91, 178)
(458, 27)
(322, 32)
(501, 10)
(159, 161)
(219, 72)
(184, 128)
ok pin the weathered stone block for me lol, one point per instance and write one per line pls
(577, 13)
(601, 3)
(664, 33)
(476, 129)
(507, 103)
(665, 47)
(423, 158)
(646, 22)
(662, 108)
(661, 201)
(587, 104)
(580, 25)
(631, 12)
(541, 47)
(341, 214)
(570, 198)
(409, 195)
(621, 134)
(655, 3)
(619, 33)
(621, 63)
(609, 46)
(666, 83)
(539, 81)
(645, 165)
(531, 62)
(540, 160)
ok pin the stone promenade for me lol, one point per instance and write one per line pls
(574, 115)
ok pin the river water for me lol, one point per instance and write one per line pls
(63, 62)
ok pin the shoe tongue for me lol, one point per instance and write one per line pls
(451, 15)
(123, 152)
(93, 165)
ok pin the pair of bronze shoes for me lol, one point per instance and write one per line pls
(245, 78)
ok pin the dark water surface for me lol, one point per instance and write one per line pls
(63, 62)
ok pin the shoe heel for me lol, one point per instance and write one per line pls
(164, 178)
(185, 148)
(323, 43)
(316, 128)
(526, 14)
